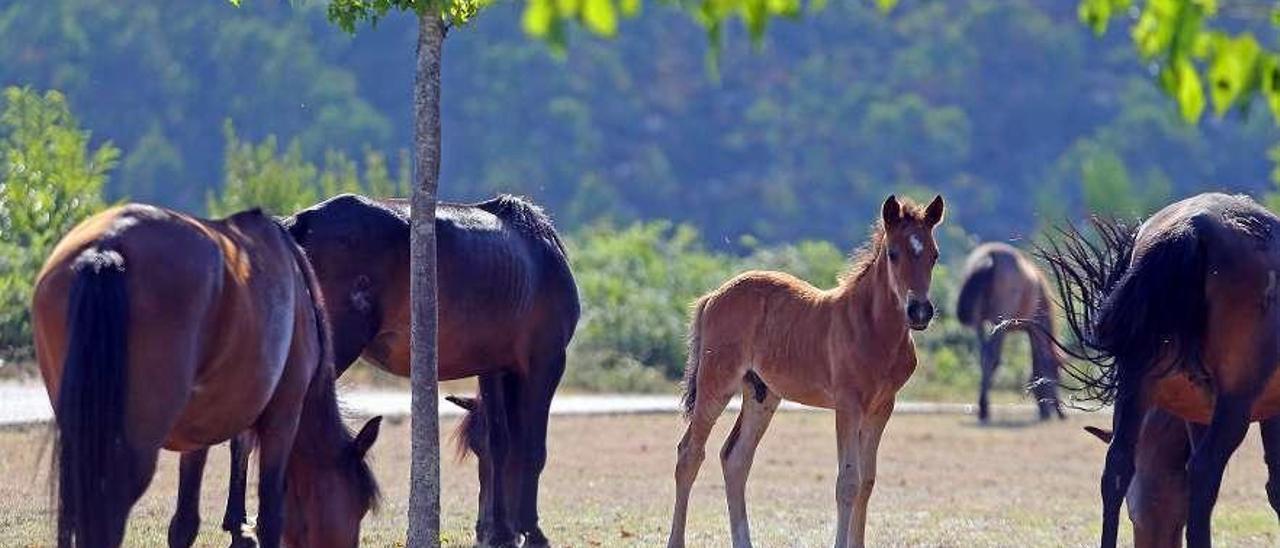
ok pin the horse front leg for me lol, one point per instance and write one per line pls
(868, 447)
(186, 517)
(849, 422)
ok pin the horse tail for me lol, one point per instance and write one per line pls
(92, 452)
(527, 217)
(694, 360)
(1125, 313)
(468, 438)
(976, 285)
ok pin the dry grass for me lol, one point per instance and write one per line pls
(943, 481)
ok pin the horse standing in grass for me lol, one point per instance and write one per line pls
(773, 336)
(508, 309)
(155, 329)
(1001, 283)
(1182, 315)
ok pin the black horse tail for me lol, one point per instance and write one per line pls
(976, 285)
(690, 396)
(92, 454)
(1127, 314)
(526, 216)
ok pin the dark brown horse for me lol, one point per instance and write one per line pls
(1182, 315)
(770, 335)
(508, 308)
(1001, 283)
(155, 329)
(1157, 497)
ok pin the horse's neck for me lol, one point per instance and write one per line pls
(871, 308)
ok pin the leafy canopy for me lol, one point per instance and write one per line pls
(1199, 45)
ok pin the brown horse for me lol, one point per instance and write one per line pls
(1001, 283)
(1157, 498)
(155, 329)
(1181, 315)
(773, 336)
(508, 309)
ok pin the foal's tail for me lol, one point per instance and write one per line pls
(1126, 316)
(92, 452)
(694, 359)
(469, 437)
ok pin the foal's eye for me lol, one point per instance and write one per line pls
(893, 254)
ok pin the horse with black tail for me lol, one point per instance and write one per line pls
(1180, 314)
(154, 329)
(1001, 283)
(508, 307)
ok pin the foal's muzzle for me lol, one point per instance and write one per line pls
(919, 314)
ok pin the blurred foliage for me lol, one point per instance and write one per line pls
(50, 180)
(991, 102)
(1196, 46)
(260, 175)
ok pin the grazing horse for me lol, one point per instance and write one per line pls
(1001, 283)
(1181, 315)
(508, 307)
(154, 329)
(1157, 497)
(774, 336)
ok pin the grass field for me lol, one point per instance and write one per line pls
(943, 481)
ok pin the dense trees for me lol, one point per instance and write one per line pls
(1002, 102)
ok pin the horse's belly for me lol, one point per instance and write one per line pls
(1178, 395)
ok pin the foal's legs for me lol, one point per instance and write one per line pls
(1271, 454)
(713, 395)
(186, 518)
(991, 349)
(1044, 375)
(868, 446)
(758, 405)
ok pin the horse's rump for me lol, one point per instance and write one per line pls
(973, 292)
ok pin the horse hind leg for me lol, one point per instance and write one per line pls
(534, 403)
(235, 517)
(1271, 454)
(1044, 377)
(186, 518)
(991, 350)
(1209, 460)
(758, 406)
(714, 390)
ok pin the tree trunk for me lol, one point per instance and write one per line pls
(424, 474)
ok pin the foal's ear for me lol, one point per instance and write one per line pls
(933, 213)
(891, 211)
(368, 434)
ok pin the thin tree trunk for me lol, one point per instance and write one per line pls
(424, 474)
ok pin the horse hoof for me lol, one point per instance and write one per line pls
(535, 539)
(243, 542)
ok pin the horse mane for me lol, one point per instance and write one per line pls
(865, 255)
(320, 407)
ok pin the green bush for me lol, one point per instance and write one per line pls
(260, 175)
(49, 181)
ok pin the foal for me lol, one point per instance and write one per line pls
(774, 336)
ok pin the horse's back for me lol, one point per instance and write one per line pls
(1000, 282)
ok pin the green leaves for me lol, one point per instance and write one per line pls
(1179, 37)
(545, 19)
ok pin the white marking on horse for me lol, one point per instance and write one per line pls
(916, 247)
